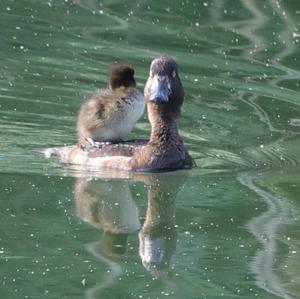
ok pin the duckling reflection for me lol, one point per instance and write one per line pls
(108, 205)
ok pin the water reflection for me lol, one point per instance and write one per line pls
(158, 235)
(266, 228)
(108, 204)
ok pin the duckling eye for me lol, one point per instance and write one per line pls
(173, 74)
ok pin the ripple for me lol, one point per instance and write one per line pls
(295, 122)
(265, 228)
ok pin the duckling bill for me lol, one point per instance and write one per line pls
(110, 114)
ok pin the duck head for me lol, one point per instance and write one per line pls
(121, 75)
(163, 86)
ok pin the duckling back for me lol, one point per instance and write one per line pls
(109, 115)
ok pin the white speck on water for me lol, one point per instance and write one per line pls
(294, 122)
(205, 4)
(83, 281)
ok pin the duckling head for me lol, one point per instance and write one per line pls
(121, 75)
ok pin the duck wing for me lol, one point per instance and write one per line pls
(126, 148)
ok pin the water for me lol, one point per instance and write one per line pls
(226, 229)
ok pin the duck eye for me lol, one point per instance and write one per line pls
(173, 74)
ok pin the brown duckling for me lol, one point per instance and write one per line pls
(110, 114)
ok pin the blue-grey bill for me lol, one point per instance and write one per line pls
(160, 89)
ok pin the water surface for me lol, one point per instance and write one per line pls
(229, 228)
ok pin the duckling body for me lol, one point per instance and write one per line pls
(110, 114)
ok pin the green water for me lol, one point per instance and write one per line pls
(229, 228)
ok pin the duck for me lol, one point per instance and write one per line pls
(110, 114)
(164, 150)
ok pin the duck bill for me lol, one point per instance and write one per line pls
(160, 89)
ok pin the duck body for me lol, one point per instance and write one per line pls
(110, 114)
(164, 151)
(139, 156)
(164, 96)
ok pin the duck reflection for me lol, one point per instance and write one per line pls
(109, 205)
(158, 236)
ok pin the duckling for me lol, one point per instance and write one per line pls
(110, 114)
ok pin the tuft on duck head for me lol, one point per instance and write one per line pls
(121, 75)
(163, 85)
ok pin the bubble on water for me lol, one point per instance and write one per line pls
(296, 34)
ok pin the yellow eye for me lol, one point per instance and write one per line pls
(173, 74)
